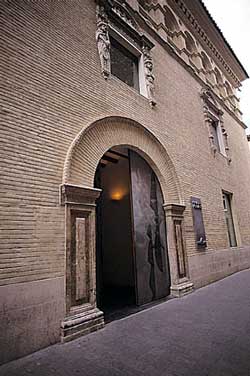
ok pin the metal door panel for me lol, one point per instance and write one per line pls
(150, 246)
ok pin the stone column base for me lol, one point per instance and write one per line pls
(81, 322)
(181, 289)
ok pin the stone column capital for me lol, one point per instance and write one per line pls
(174, 210)
(76, 194)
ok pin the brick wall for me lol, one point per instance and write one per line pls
(52, 89)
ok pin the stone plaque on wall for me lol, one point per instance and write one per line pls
(199, 228)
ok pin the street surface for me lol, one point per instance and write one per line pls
(206, 333)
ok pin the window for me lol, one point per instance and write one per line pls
(227, 199)
(214, 119)
(124, 65)
(124, 51)
(214, 131)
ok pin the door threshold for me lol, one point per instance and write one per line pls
(119, 314)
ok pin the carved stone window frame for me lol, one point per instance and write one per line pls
(116, 19)
(136, 51)
(214, 114)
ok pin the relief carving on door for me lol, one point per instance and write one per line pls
(150, 242)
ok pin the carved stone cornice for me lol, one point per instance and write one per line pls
(191, 12)
(210, 100)
(173, 42)
(75, 194)
(155, 12)
(174, 210)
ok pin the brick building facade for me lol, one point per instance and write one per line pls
(86, 87)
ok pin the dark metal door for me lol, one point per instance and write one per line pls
(150, 242)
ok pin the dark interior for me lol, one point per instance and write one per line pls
(115, 267)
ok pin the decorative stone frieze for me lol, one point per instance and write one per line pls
(191, 20)
(124, 15)
(165, 19)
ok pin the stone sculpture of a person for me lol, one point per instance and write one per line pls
(149, 77)
(103, 43)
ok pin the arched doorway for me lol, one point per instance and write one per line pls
(132, 257)
(79, 197)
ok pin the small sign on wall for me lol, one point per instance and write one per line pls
(199, 228)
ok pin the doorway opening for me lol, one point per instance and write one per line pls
(131, 245)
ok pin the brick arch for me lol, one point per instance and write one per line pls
(92, 142)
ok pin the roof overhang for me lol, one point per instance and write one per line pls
(204, 18)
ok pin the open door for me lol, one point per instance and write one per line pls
(131, 259)
(150, 245)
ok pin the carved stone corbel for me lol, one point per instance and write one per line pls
(102, 40)
(149, 76)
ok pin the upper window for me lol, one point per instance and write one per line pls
(124, 51)
(214, 131)
(214, 120)
(216, 134)
(124, 64)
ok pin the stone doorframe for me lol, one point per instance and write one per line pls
(78, 195)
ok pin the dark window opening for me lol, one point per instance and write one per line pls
(124, 65)
(215, 134)
(227, 198)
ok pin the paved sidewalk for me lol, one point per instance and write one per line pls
(206, 333)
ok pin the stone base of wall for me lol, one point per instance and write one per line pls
(206, 267)
(87, 320)
(181, 289)
(30, 315)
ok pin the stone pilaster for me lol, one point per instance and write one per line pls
(82, 315)
(180, 282)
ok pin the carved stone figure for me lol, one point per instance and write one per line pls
(124, 15)
(149, 76)
(102, 40)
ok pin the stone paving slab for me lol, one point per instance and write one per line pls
(206, 333)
